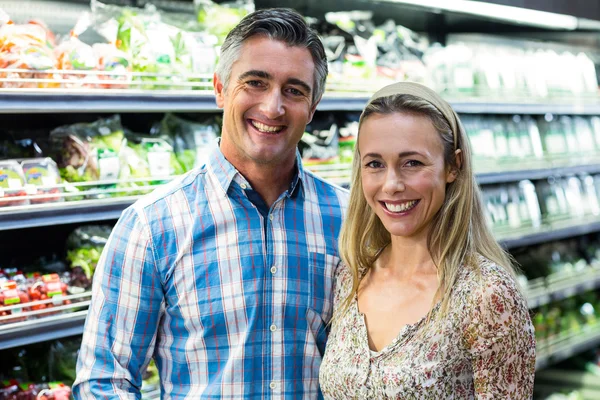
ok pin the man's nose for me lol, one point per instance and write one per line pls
(272, 105)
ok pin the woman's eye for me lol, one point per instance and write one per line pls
(373, 164)
(413, 163)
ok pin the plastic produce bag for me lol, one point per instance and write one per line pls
(146, 157)
(192, 141)
(43, 174)
(161, 54)
(89, 151)
(73, 54)
(27, 46)
(319, 145)
(219, 19)
(12, 184)
(84, 246)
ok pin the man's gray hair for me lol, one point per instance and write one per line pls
(282, 24)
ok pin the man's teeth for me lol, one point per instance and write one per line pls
(401, 207)
(266, 128)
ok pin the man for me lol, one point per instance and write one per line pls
(225, 276)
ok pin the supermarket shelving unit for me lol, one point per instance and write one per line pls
(136, 101)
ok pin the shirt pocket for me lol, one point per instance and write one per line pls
(321, 274)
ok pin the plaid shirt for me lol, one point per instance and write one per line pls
(230, 304)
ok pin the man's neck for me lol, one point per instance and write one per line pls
(269, 181)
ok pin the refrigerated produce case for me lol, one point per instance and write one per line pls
(525, 175)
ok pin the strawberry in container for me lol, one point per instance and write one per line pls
(49, 287)
(10, 295)
(12, 184)
(43, 174)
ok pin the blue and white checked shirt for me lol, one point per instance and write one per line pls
(230, 304)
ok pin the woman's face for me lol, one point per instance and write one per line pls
(403, 172)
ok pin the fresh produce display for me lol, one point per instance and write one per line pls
(26, 46)
(12, 294)
(12, 184)
(84, 246)
(219, 19)
(43, 174)
(192, 141)
(164, 53)
(15, 390)
(89, 151)
(49, 286)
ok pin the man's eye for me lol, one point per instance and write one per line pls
(254, 83)
(296, 92)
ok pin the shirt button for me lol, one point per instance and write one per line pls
(272, 385)
(273, 328)
(273, 270)
(271, 217)
(243, 186)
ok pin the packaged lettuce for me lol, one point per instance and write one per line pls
(73, 54)
(192, 141)
(89, 151)
(219, 19)
(84, 246)
(146, 157)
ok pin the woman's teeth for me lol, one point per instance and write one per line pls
(266, 128)
(397, 208)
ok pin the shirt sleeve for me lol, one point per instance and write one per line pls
(121, 325)
(499, 338)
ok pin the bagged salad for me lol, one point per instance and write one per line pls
(192, 141)
(89, 151)
(161, 54)
(84, 246)
(29, 47)
(219, 19)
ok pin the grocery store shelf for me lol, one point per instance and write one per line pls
(40, 330)
(29, 216)
(567, 346)
(27, 101)
(549, 232)
(561, 286)
(488, 178)
(24, 101)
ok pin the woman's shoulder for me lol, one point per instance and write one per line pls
(482, 280)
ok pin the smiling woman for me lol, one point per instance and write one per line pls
(427, 305)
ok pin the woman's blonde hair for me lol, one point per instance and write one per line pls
(458, 231)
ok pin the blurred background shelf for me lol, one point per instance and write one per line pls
(567, 346)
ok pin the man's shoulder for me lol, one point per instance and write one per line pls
(324, 189)
(186, 186)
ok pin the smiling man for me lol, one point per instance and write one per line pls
(225, 276)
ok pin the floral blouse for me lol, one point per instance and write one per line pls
(484, 348)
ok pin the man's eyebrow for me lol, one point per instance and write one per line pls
(265, 75)
(255, 73)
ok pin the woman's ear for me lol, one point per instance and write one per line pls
(453, 173)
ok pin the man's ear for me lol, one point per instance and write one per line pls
(219, 91)
(453, 173)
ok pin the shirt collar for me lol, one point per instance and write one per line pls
(225, 173)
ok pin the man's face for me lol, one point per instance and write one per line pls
(267, 103)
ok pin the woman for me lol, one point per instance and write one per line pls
(426, 305)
